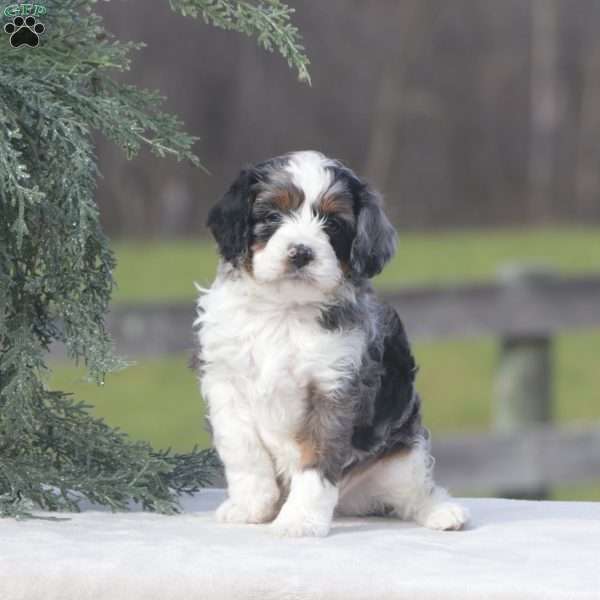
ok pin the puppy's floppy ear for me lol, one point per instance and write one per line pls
(375, 241)
(229, 220)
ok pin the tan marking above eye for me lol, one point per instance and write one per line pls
(280, 196)
(286, 200)
(339, 205)
(283, 200)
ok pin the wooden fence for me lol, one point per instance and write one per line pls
(524, 454)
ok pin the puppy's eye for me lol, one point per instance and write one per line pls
(333, 226)
(272, 218)
(268, 217)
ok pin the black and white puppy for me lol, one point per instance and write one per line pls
(309, 380)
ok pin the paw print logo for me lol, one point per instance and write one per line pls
(24, 32)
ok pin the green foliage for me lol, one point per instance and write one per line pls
(269, 21)
(56, 268)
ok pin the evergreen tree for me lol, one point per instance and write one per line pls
(56, 267)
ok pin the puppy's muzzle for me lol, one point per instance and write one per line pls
(300, 255)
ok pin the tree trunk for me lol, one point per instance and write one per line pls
(546, 100)
(587, 175)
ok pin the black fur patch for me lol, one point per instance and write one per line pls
(229, 220)
(375, 241)
(384, 408)
(373, 238)
(341, 234)
(396, 420)
(340, 316)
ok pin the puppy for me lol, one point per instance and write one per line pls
(308, 378)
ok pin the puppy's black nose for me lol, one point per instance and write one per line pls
(300, 255)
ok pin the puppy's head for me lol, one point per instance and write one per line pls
(303, 218)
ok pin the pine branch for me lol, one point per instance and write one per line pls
(56, 266)
(269, 21)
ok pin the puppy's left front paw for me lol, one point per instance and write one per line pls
(298, 526)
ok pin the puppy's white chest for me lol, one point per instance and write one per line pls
(273, 356)
(265, 352)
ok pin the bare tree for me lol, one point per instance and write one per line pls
(546, 101)
(395, 96)
(587, 170)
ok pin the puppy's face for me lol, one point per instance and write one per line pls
(303, 223)
(305, 220)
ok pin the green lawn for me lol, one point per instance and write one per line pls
(158, 400)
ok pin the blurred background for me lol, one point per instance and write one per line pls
(480, 122)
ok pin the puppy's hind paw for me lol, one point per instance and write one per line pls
(446, 516)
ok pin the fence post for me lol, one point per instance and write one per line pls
(524, 376)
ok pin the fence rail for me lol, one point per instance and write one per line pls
(523, 461)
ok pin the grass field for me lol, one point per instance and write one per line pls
(158, 400)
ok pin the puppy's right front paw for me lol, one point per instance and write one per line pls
(248, 512)
(299, 527)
